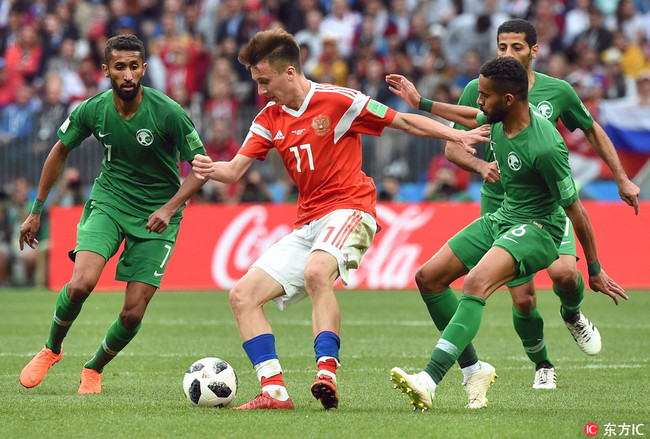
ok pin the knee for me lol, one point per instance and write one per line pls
(524, 304)
(474, 285)
(315, 278)
(130, 318)
(565, 279)
(239, 300)
(79, 289)
(426, 284)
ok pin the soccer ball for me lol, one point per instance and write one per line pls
(210, 382)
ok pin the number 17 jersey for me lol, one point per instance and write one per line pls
(320, 146)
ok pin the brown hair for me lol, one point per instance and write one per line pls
(277, 46)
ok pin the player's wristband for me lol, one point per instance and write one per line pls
(425, 104)
(37, 207)
(594, 269)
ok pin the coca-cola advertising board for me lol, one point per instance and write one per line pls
(217, 244)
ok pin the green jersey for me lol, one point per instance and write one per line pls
(535, 173)
(554, 99)
(141, 154)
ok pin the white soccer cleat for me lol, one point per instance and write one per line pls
(585, 334)
(419, 393)
(545, 378)
(477, 385)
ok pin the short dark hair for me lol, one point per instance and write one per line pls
(277, 46)
(508, 76)
(519, 26)
(126, 42)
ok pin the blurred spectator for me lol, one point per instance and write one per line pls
(222, 104)
(617, 84)
(389, 189)
(10, 33)
(642, 95)
(341, 22)
(221, 144)
(466, 32)
(69, 190)
(22, 263)
(446, 181)
(24, 56)
(633, 25)
(252, 188)
(576, 20)
(9, 84)
(596, 36)
(5, 241)
(311, 37)
(469, 71)
(330, 68)
(51, 115)
(230, 17)
(417, 45)
(633, 58)
(557, 65)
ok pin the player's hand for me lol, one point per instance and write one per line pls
(202, 166)
(490, 172)
(159, 220)
(601, 282)
(404, 88)
(472, 137)
(28, 231)
(629, 193)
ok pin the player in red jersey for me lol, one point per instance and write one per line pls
(316, 129)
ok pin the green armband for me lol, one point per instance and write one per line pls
(37, 207)
(425, 104)
(594, 269)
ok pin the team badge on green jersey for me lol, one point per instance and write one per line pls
(377, 108)
(144, 137)
(514, 162)
(194, 140)
(545, 108)
(566, 187)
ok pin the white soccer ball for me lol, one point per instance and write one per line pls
(210, 382)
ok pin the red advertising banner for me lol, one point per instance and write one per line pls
(217, 244)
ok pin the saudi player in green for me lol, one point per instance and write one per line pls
(137, 199)
(554, 99)
(521, 237)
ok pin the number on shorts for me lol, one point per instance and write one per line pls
(519, 231)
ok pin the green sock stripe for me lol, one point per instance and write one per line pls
(530, 329)
(65, 312)
(448, 347)
(116, 339)
(536, 348)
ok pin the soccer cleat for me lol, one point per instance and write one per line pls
(34, 372)
(264, 401)
(91, 381)
(545, 378)
(477, 385)
(324, 390)
(421, 397)
(585, 334)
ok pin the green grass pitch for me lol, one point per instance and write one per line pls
(143, 398)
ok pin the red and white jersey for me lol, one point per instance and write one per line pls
(320, 146)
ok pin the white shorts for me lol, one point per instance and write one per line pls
(346, 234)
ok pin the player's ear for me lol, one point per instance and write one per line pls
(105, 70)
(534, 51)
(144, 68)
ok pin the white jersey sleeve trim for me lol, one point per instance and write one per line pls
(350, 115)
(260, 131)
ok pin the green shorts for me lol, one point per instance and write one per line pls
(567, 246)
(532, 247)
(102, 229)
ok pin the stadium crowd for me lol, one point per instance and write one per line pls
(51, 54)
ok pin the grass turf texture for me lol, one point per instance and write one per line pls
(143, 398)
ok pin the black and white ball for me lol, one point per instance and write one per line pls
(210, 382)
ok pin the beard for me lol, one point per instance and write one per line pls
(496, 115)
(126, 95)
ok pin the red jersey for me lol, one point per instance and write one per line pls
(320, 146)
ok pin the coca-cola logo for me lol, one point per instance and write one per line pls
(391, 261)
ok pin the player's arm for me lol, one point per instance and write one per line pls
(601, 143)
(425, 127)
(598, 279)
(158, 221)
(456, 154)
(405, 89)
(225, 172)
(51, 169)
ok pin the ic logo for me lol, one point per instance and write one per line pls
(591, 429)
(144, 137)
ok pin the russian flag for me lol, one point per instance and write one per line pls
(627, 124)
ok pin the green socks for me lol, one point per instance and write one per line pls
(571, 299)
(441, 308)
(116, 339)
(65, 312)
(460, 331)
(530, 328)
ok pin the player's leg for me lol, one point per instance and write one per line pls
(569, 286)
(340, 239)
(97, 240)
(247, 299)
(529, 325)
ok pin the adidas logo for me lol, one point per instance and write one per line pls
(279, 136)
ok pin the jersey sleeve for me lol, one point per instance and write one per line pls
(372, 118)
(468, 98)
(184, 134)
(76, 128)
(258, 141)
(574, 114)
(553, 164)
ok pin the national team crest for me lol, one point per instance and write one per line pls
(514, 162)
(545, 108)
(144, 137)
(321, 125)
